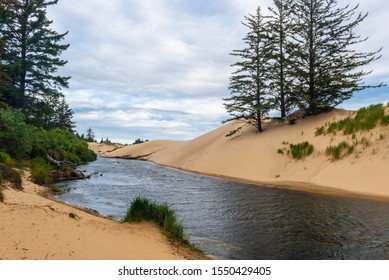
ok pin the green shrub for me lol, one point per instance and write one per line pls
(301, 150)
(1, 194)
(366, 118)
(10, 175)
(4, 157)
(144, 209)
(341, 150)
(385, 120)
(40, 171)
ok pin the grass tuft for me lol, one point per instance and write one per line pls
(144, 209)
(301, 150)
(10, 175)
(341, 150)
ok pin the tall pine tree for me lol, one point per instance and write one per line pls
(280, 27)
(326, 66)
(249, 101)
(32, 54)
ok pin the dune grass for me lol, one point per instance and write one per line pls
(365, 119)
(301, 150)
(10, 175)
(144, 209)
(341, 150)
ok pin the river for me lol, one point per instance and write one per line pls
(232, 220)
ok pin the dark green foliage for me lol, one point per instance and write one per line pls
(40, 171)
(144, 209)
(279, 28)
(23, 141)
(249, 102)
(301, 150)
(138, 141)
(327, 69)
(29, 60)
(341, 150)
(385, 120)
(10, 175)
(90, 135)
(292, 121)
(15, 134)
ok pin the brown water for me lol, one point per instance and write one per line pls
(231, 220)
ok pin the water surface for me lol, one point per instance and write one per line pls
(231, 220)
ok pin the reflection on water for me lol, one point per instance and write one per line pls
(231, 220)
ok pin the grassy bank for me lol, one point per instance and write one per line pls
(144, 209)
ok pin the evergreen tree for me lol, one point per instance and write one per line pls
(280, 27)
(32, 52)
(249, 100)
(90, 135)
(326, 67)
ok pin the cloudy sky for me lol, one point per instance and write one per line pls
(158, 69)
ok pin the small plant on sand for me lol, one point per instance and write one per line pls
(301, 150)
(10, 175)
(319, 131)
(341, 150)
(145, 209)
(1, 194)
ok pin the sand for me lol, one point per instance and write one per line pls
(34, 227)
(251, 156)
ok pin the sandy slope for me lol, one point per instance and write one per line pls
(34, 227)
(253, 157)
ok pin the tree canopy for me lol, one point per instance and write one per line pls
(301, 55)
(30, 60)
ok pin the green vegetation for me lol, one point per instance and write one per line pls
(275, 70)
(145, 209)
(341, 150)
(26, 142)
(40, 171)
(301, 150)
(9, 175)
(365, 119)
(4, 157)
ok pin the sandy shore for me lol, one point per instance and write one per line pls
(37, 228)
(253, 157)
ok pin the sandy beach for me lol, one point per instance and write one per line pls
(34, 227)
(253, 157)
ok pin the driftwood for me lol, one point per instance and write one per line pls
(66, 170)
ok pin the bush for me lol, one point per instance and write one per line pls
(10, 175)
(4, 157)
(15, 134)
(341, 150)
(366, 118)
(40, 171)
(385, 120)
(301, 150)
(144, 209)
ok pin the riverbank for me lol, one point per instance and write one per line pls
(257, 158)
(35, 227)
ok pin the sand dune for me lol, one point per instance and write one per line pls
(253, 157)
(34, 227)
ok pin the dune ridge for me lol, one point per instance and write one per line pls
(253, 157)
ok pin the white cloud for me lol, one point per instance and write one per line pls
(160, 68)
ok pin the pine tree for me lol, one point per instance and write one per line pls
(326, 67)
(249, 100)
(32, 52)
(280, 27)
(90, 135)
